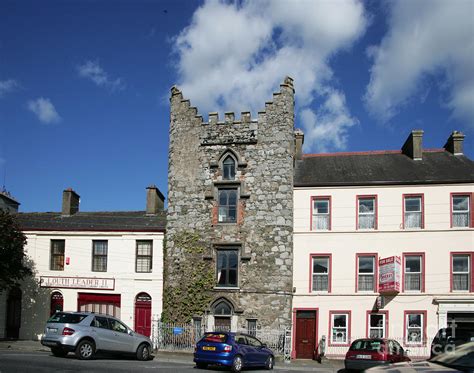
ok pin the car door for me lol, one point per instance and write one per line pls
(399, 352)
(259, 356)
(103, 336)
(122, 340)
(244, 349)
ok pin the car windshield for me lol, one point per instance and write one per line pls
(66, 318)
(215, 337)
(463, 357)
(366, 345)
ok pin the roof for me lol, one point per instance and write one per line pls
(123, 221)
(382, 168)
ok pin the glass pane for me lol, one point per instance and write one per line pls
(366, 283)
(229, 168)
(413, 264)
(232, 216)
(366, 205)
(412, 281)
(321, 265)
(461, 219)
(366, 264)
(414, 320)
(412, 219)
(460, 282)
(321, 222)
(232, 277)
(222, 309)
(339, 335)
(340, 321)
(144, 247)
(321, 206)
(413, 204)
(460, 203)
(414, 335)
(320, 282)
(376, 333)
(223, 197)
(366, 222)
(233, 260)
(376, 320)
(100, 247)
(460, 263)
(232, 197)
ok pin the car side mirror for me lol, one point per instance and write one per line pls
(264, 345)
(405, 352)
(130, 332)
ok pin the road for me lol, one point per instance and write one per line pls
(42, 362)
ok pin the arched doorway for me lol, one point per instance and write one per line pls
(143, 314)
(14, 313)
(222, 311)
(57, 303)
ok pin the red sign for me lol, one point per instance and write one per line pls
(389, 275)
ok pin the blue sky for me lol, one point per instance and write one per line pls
(84, 85)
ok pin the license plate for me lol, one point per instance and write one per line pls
(363, 357)
(208, 348)
(52, 330)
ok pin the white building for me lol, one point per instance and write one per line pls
(353, 209)
(107, 262)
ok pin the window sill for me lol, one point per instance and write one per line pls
(342, 344)
(226, 288)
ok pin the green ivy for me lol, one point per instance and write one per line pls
(190, 290)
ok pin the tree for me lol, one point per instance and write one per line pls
(12, 255)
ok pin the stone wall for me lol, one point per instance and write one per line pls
(264, 149)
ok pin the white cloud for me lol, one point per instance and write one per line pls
(93, 71)
(44, 110)
(425, 38)
(7, 86)
(233, 56)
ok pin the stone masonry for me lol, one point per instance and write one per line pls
(263, 231)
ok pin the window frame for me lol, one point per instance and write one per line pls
(376, 210)
(470, 223)
(423, 342)
(329, 214)
(375, 273)
(237, 198)
(347, 313)
(138, 256)
(422, 274)
(318, 255)
(229, 250)
(224, 166)
(96, 256)
(52, 255)
(385, 314)
(470, 255)
(422, 209)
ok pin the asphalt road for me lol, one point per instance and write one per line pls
(39, 362)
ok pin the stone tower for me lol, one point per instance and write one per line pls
(229, 245)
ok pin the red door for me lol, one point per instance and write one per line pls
(305, 338)
(57, 303)
(143, 314)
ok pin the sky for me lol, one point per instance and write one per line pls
(85, 84)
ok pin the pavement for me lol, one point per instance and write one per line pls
(325, 365)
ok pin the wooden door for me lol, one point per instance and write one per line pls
(305, 337)
(57, 303)
(222, 324)
(143, 314)
(14, 313)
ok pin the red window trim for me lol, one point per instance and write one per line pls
(422, 196)
(371, 312)
(376, 270)
(471, 262)
(315, 198)
(471, 207)
(338, 312)
(311, 256)
(293, 342)
(423, 332)
(376, 212)
(422, 270)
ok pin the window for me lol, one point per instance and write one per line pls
(99, 256)
(227, 205)
(366, 212)
(228, 168)
(413, 212)
(57, 255)
(461, 272)
(252, 327)
(144, 256)
(415, 325)
(321, 218)
(117, 326)
(227, 268)
(320, 272)
(461, 213)
(340, 321)
(413, 270)
(377, 325)
(366, 268)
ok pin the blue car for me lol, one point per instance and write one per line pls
(234, 350)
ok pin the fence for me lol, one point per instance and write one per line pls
(183, 337)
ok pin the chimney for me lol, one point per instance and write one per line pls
(454, 143)
(413, 146)
(299, 140)
(155, 201)
(70, 202)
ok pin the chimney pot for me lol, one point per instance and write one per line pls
(155, 201)
(70, 202)
(454, 144)
(413, 146)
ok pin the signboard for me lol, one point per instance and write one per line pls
(389, 275)
(178, 331)
(77, 282)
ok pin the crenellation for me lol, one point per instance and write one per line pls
(229, 117)
(213, 117)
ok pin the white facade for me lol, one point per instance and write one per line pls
(342, 243)
(121, 280)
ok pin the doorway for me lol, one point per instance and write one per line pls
(14, 313)
(305, 334)
(143, 314)
(57, 303)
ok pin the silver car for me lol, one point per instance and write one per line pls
(85, 333)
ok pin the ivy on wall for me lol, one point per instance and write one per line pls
(189, 279)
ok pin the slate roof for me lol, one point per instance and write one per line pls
(382, 168)
(117, 221)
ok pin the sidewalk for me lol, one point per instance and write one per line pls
(186, 357)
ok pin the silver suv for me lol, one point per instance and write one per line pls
(85, 333)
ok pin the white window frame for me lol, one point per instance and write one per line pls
(419, 212)
(365, 273)
(408, 327)
(317, 215)
(344, 329)
(406, 273)
(383, 327)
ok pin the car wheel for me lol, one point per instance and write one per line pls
(143, 352)
(270, 363)
(237, 364)
(58, 352)
(201, 365)
(85, 350)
